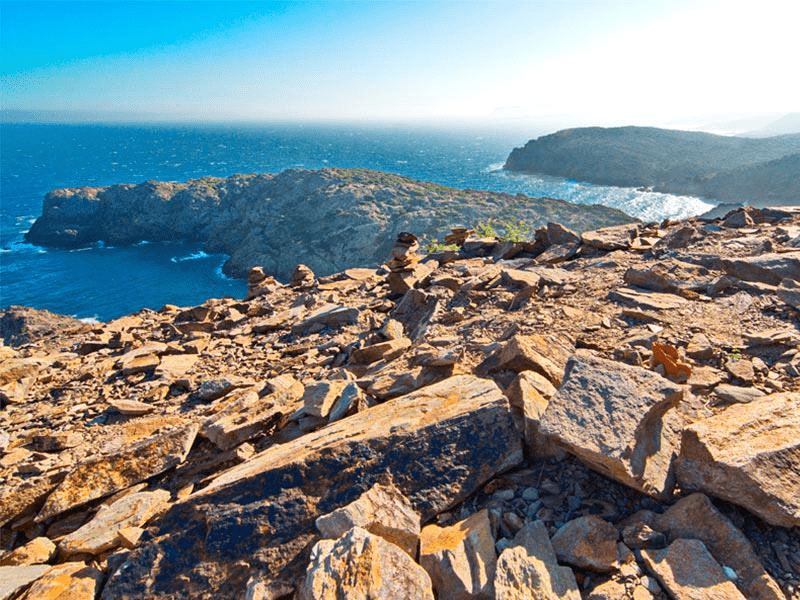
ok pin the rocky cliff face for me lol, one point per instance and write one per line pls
(608, 415)
(761, 172)
(330, 220)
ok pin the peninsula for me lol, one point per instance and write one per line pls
(754, 171)
(330, 220)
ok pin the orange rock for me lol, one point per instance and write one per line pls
(668, 356)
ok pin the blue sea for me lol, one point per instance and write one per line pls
(107, 282)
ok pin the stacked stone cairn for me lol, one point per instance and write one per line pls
(405, 268)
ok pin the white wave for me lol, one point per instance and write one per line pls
(93, 320)
(637, 202)
(24, 248)
(494, 168)
(220, 274)
(193, 256)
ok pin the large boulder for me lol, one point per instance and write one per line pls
(363, 565)
(438, 445)
(748, 454)
(618, 419)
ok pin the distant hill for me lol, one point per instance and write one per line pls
(730, 169)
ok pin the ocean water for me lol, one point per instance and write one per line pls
(106, 282)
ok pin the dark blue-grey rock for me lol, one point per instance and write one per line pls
(437, 445)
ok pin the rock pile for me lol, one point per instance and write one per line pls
(607, 415)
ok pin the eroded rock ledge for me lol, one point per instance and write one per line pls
(607, 415)
(331, 219)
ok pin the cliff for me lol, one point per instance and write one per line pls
(331, 219)
(614, 414)
(760, 172)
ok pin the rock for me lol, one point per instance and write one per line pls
(27, 496)
(39, 550)
(175, 366)
(668, 356)
(68, 581)
(303, 277)
(461, 558)
(381, 351)
(609, 238)
(101, 533)
(694, 517)
(789, 292)
(617, 419)
(416, 310)
(741, 369)
(15, 579)
(609, 590)
(587, 542)
(640, 535)
(249, 414)
(381, 510)
(645, 300)
(529, 569)
(131, 408)
(524, 396)
(363, 565)
(439, 444)
(103, 475)
(688, 572)
(57, 441)
(748, 454)
(328, 315)
(557, 234)
(400, 282)
(351, 396)
(319, 398)
(699, 347)
(139, 363)
(530, 353)
(765, 268)
(735, 393)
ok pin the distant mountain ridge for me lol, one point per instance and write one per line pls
(758, 171)
(330, 220)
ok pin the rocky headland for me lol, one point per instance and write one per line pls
(606, 415)
(755, 171)
(330, 220)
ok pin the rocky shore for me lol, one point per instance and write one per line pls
(330, 219)
(613, 414)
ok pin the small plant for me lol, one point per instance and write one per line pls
(736, 354)
(486, 230)
(516, 232)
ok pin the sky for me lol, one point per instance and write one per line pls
(603, 61)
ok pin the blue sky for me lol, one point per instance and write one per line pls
(602, 61)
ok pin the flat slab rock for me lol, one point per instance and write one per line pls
(438, 445)
(105, 475)
(617, 419)
(748, 454)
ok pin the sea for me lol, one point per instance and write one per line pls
(105, 282)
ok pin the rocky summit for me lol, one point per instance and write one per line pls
(600, 415)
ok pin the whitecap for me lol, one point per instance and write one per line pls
(637, 202)
(193, 256)
(494, 168)
(93, 320)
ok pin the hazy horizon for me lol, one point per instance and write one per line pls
(559, 62)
